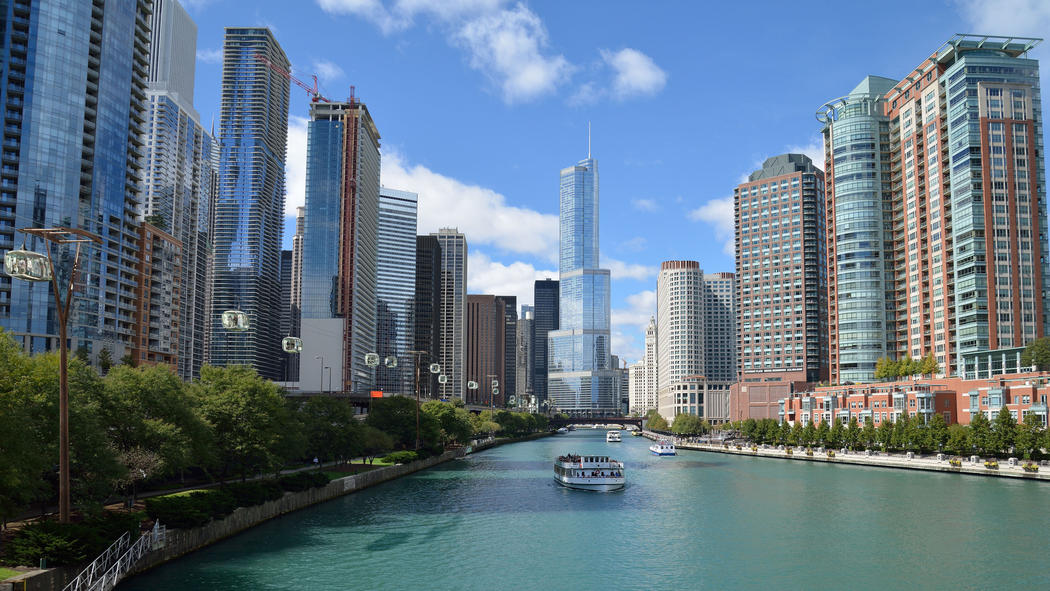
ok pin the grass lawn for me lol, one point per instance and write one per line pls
(6, 573)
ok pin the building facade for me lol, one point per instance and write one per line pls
(453, 344)
(486, 355)
(545, 314)
(524, 355)
(396, 290)
(157, 298)
(719, 327)
(962, 221)
(248, 213)
(427, 314)
(340, 240)
(680, 337)
(643, 388)
(73, 155)
(579, 377)
(181, 178)
(781, 288)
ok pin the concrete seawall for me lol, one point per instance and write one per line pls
(861, 459)
(180, 542)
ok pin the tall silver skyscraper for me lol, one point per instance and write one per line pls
(579, 378)
(339, 247)
(453, 311)
(181, 179)
(249, 211)
(396, 290)
(523, 355)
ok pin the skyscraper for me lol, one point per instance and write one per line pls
(579, 379)
(486, 355)
(248, 215)
(428, 308)
(453, 297)
(936, 210)
(524, 353)
(157, 297)
(719, 328)
(396, 290)
(680, 337)
(643, 387)
(181, 179)
(73, 151)
(287, 321)
(781, 294)
(545, 314)
(508, 385)
(340, 246)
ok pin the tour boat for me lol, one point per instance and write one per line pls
(662, 448)
(636, 433)
(598, 473)
(562, 430)
(612, 436)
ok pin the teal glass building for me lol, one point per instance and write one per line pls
(580, 380)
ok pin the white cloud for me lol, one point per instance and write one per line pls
(480, 213)
(209, 56)
(718, 213)
(1007, 17)
(328, 71)
(629, 324)
(645, 204)
(485, 275)
(622, 270)
(636, 73)
(508, 45)
(635, 244)
(814, 149)
(295, 165)
(629, 348)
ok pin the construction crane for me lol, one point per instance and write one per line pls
(311, 90)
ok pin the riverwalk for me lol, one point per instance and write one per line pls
(939, 463)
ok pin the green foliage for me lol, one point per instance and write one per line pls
(1037, 354)
(330, 429)
(929, 365)
(254, 492)
(938, 432)
(868, 436)
(454, 421)
(884, 434)
(374, 442)
(782, 433)
(981, 433)
(655, 421)
(809, 434)
(396, 416)
(105, 361)
(686, 424)
(248, 417)
(823, 432)
(1028, 436)
(303, 480)
(191, 508)
(69, 543)
(836, 435)
(1003, 431)
(852, 435)
(401, 457)
(958, 440)
(795, 435)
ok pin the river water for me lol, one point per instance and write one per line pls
(496, 520)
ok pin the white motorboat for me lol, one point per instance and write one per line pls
(562, 430)
(612, 436)
(662, 447)
(597, 473)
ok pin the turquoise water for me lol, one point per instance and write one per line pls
(496, 520)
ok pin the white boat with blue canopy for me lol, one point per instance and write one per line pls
(597, 473)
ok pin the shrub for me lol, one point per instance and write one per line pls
(192, 508)
(304, 480)
(1030, 467)
(254, 492)
(69, 543)
(401, 457)
(955, 462)
(991, 464)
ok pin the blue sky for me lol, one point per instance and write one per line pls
(481, 102)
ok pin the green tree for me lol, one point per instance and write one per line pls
(1028, 436)
(836, 435)
(958, 440)
(105, 361)
(655, 421)
(247, 416)
(1037, 354)
(330, 428)
(783, 432)
(852, 435)
(899, 439)
(880, 368)
(930, 365)
(686, 424)
(884, 434)
(453, 420)
(938, 430)
(129, 360)
(809, 434)
(396, 416)
(823, 431)
(1003, 431)
(374, 442)
(981, 433)
(905, 366)
(867, 434)
(749, 428)
(795, 434)
(22, 459)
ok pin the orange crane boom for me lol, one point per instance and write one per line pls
(311, 90)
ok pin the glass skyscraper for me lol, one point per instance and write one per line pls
(249, 210)
(396, 290)
(340, 247)
(545, 319)
(579, 378)
(181, 179)
(453, 299)
(73, 89)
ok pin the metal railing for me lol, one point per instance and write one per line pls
(117, 561)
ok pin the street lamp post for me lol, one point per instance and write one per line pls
(417, 355)
(27, 265)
